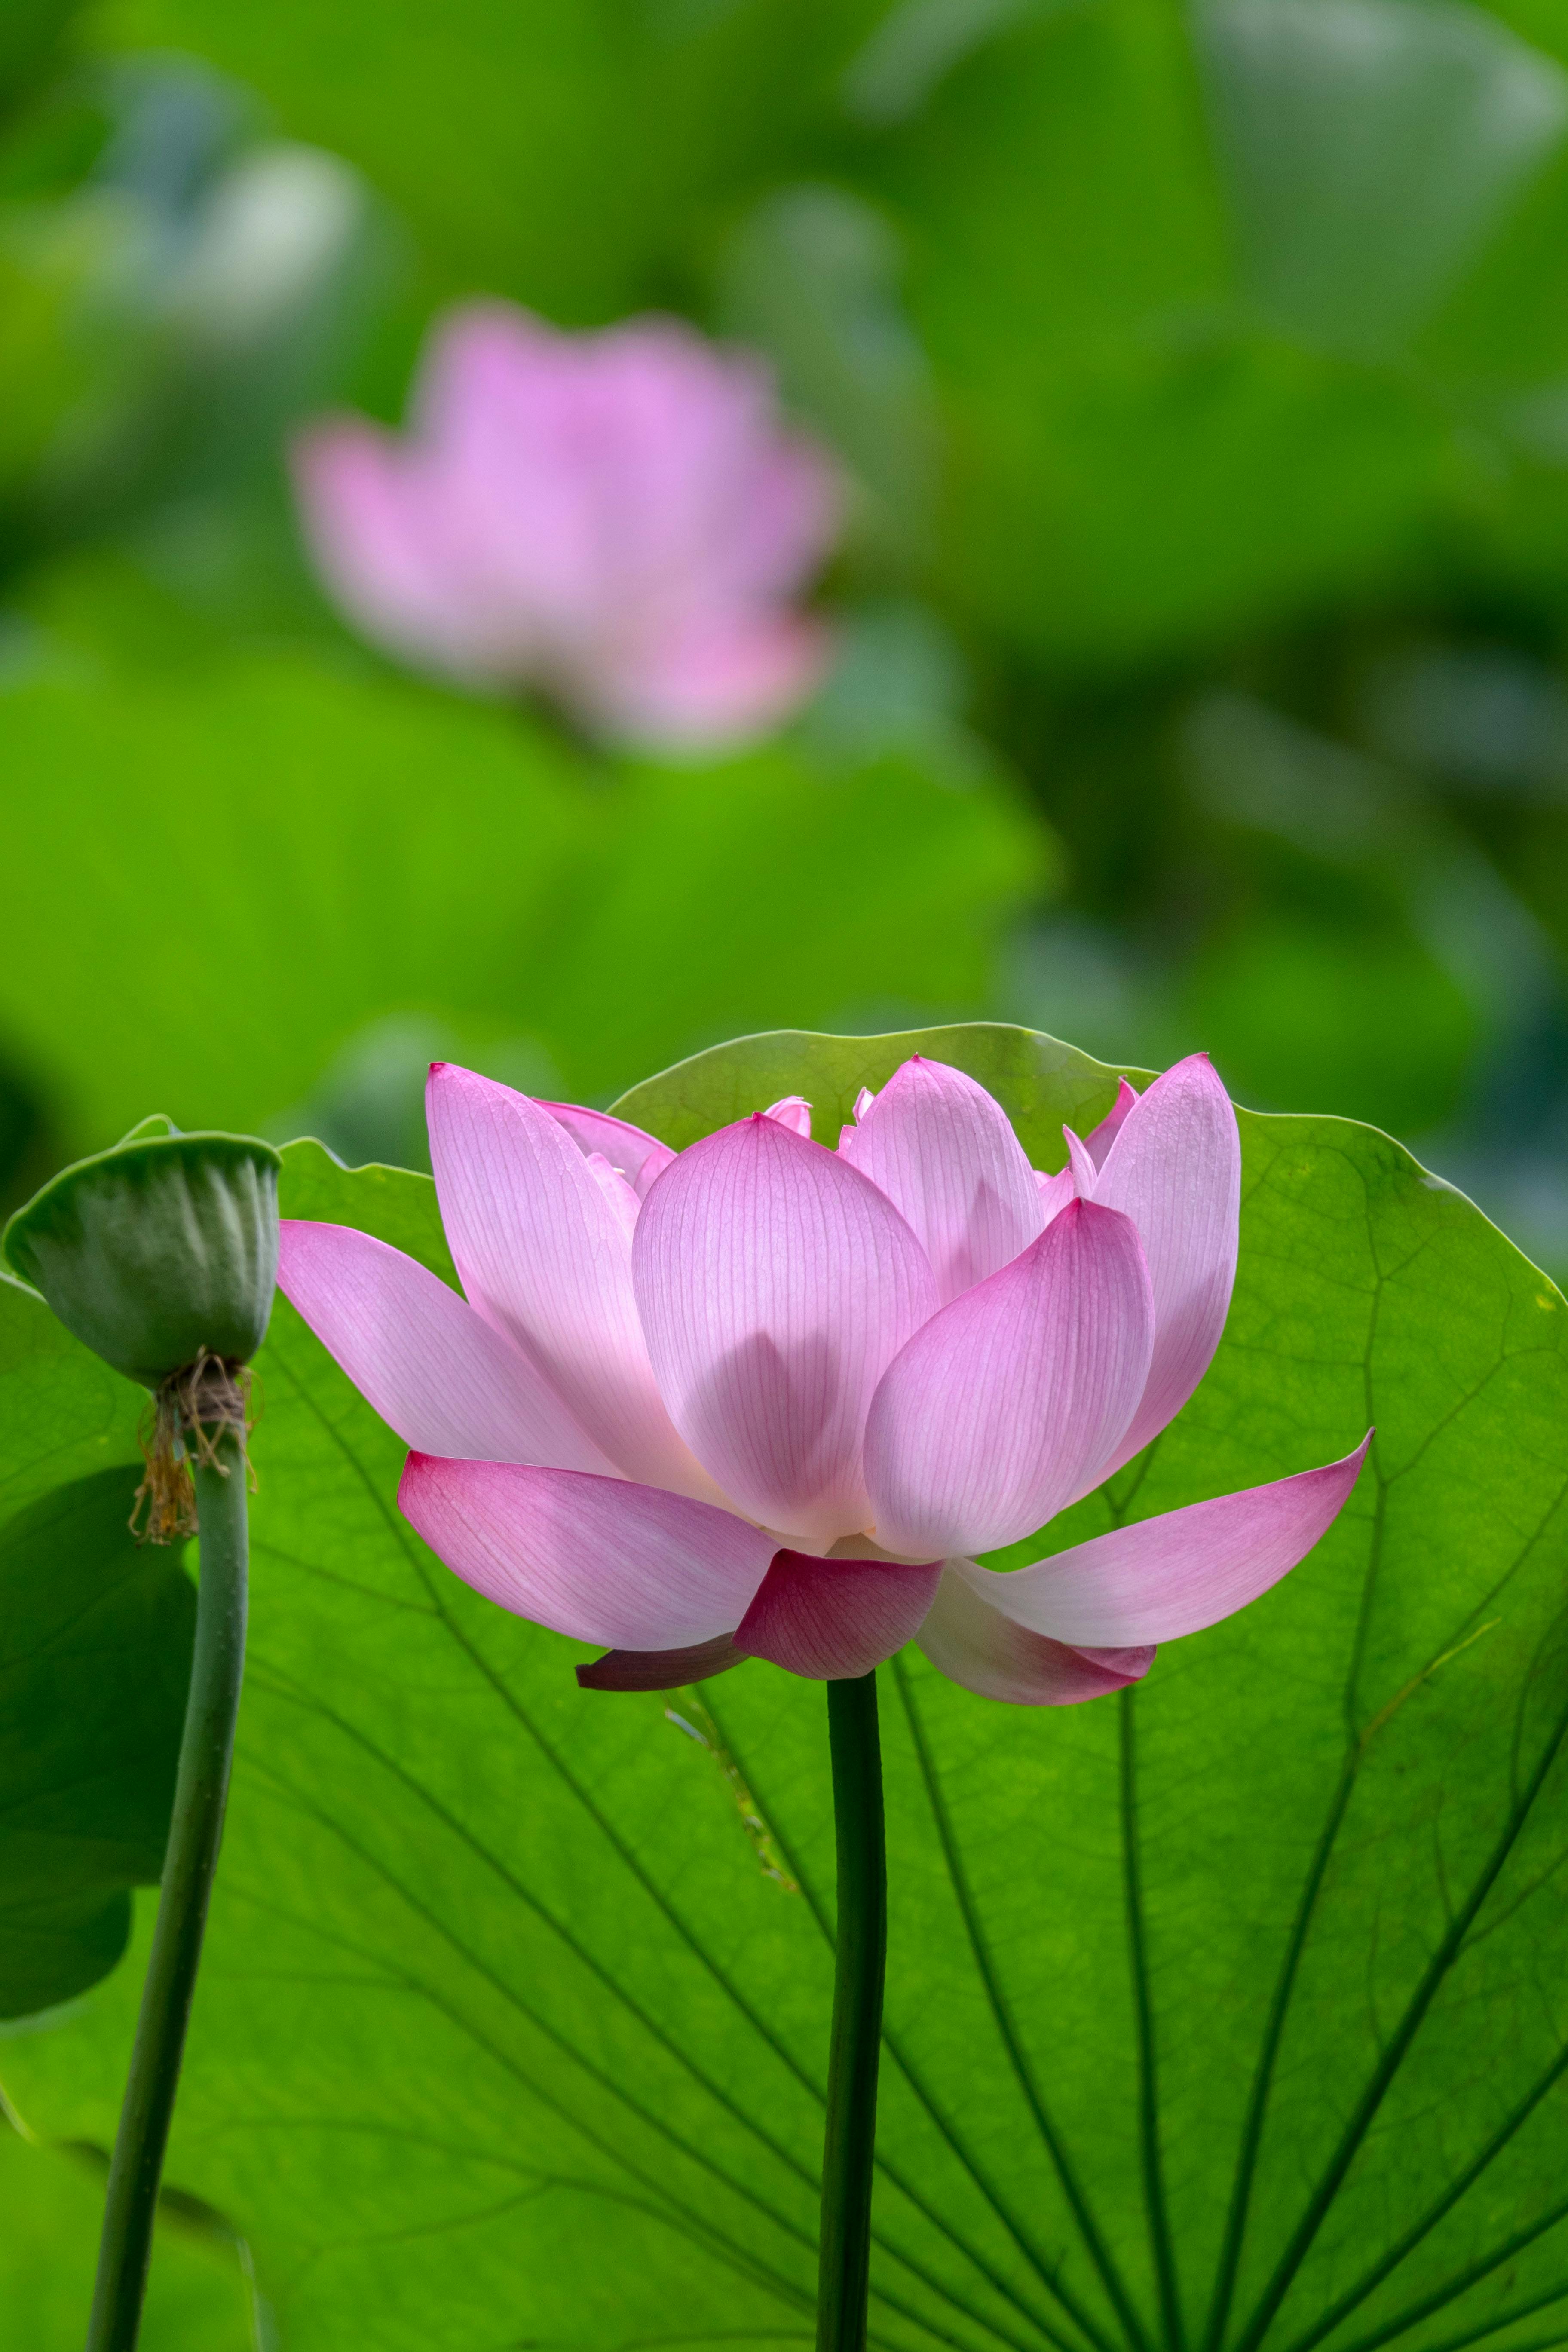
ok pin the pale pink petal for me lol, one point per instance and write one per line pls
(618, 517)
(623, 1201)
(599, 1559)
(638, 1157)
(505, 418)
(1056, 1191)
(1175, 1169)
(792, 1111)
(661, 1670)
(418, 1354)
(1166, 1577)
(546, 1258)
(787, 520)
(1101, 1138)
(863, 1102)
(710, 497)
(974, 1644)
(830, 1619)
(1006, 1404)
(363, 511)
(775, 1285)
(720, 684)
(485, 359)
(945, 1154)
(1080, 1159)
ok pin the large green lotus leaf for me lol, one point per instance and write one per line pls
(335, 847)
(95, 1655)
(513, 2020)
(53, 2204)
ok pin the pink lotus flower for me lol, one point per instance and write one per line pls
(762, 1399)
(615, 518)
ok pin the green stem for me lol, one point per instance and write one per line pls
(201, 1792)
(859, 1962)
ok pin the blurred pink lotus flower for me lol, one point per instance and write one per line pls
(763, 1398)
(617, 517)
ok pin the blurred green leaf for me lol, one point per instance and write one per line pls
(492, 133)
(1131, 469)
(237, 866)
(1222, 330)
(95, 1653)
(1301, 1009)
(31, 37)
(506, 2033)
(1373, 145)
(916, 42)
(813, 278)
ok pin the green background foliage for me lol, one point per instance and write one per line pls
(1200, 376)
(526, 903)
(511, 2029)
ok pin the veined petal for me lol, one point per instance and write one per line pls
(945, 1154)
(1174, 1167)
(616, 1189)
(638, 1157)
(599, 1559)
(830, 1619)
(1081, 1163)
(1099, 1139)
(973, 1644)
(1166, 1577)
(1008, 1402)
(544, 1254)
(1055, 1191)
(792, 1111)
(421, 1357)
(775, 1285)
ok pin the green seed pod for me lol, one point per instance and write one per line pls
(160, 1252)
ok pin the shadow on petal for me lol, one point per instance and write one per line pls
(828, 1620)
(971, 1642)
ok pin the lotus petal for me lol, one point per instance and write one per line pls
(775, 1285)
(1164, 1576)
(544, 1254)
(631, 1567)
(973, 1644)
(435, 1371)
(944, 1151)
(1011, 1400)
(831, 1618)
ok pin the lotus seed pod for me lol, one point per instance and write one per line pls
(158, 1252)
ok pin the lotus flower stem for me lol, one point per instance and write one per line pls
(201, 1792)
(861, 1962)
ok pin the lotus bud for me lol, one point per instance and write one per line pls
(161, 1255)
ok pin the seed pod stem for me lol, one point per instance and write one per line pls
(215, 1449)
